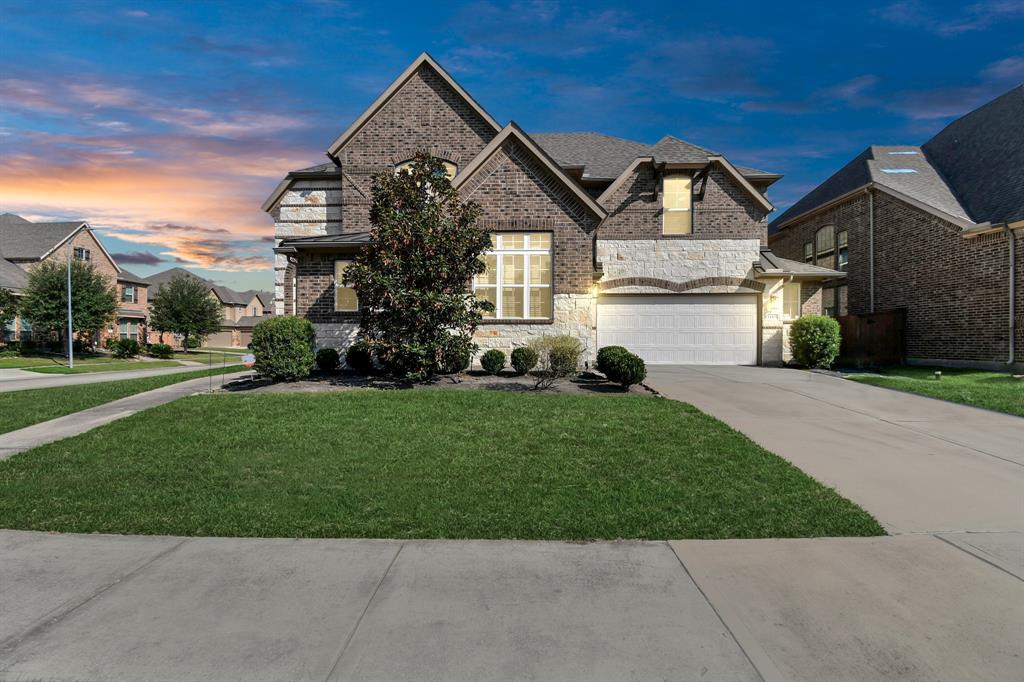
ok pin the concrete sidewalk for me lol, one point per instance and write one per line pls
(161, 608)
(917, 464)
(22, 380)
(13, 442)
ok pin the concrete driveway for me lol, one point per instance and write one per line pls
(917, 464)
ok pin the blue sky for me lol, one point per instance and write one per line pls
(165, 124)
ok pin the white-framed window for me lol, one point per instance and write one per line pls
(791, 300)
(843, 250)
(82, 253)
(518, 276)
(449, 168)
(809, 252)
(129, 330)
(676, 203)
(345, 299)
(825, 246)
(129, 294)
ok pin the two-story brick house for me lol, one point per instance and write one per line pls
(661, 248)
(934, 230)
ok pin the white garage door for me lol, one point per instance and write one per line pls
(697, 329)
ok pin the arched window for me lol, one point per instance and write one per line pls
(449, 167)
(825, 246)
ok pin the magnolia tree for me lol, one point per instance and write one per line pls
(44, 302)
(417, 313)
(184, 306)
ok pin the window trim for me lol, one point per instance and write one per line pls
(134, 298)
(665, 210)
(527, 285)
(81, 253)
(341, 285)
(799, 300)
(809, 252)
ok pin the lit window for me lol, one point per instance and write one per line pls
(809, 252)
(844, 251)
(825, 246)
(449, 167)
(82, 253)
(676, 202)
(791, 301)
(345, 299)
(517, 280)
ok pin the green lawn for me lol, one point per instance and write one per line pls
(420, 464)
(19, 409)
(23, 361)
(991, 390)
(208, 358)
(113, 366)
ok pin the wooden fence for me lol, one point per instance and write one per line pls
(873, 339)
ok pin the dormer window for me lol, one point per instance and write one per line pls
(677, 199)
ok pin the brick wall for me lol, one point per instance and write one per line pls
(724, 211)
(955, 290)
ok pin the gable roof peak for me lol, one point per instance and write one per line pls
(424, 59)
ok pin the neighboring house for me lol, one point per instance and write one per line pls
(25, 244)
(132, 307)
(241, 311)
(660, 248)
(935, 230)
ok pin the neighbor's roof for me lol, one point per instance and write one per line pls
(903, 169)
(981, 156)
(11, 276)
(132, 278)
(159, 279)
(770, 264)
(266, 298)
(606, 157)
(21, 239)
(229, 295)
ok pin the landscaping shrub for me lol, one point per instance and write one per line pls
(455, 358)
(606, 355)
(814, 340)
(283, 347)
(557, 357)
(192, 342)
(625, 368)
(359, 358)
(162, 351)
(524, 359)
(126, 348)
(327, 359)
(493, 361)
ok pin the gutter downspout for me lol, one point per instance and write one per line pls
(871, 250)
(1012, 240)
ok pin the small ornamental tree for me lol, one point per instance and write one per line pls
(44, 302)
(8, 308)
(417, 313)
(184, 306)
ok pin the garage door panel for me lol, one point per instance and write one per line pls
(682, 329)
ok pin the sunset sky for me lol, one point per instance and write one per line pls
(166, 124)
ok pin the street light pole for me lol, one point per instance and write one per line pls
(71, 339)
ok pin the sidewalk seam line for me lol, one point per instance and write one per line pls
(359, 620)
(48, 621)
(978, 557)
(715, 610)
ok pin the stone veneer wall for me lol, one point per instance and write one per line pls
(677, 260)
(574, 316)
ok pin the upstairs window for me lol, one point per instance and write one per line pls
(809, 252)
(345, 299)
(791, 301)
(82, 253)
(449, 168)
(676, 200)
(517, 280)
(129, 294)
(844, 251)
(825, 246)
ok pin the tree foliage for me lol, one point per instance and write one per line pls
(44, 302)
(417, 314)
(184, 306)
(8, 307)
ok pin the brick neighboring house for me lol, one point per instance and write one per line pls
(25, 244)
(661, 248)
(241, 311)
(935, 230)
(132, 307)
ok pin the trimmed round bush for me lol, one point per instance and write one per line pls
(606, 355)
(327, 359)
(493, 361)
(193, 342)
(627, 369)
(283, 346)
(455, 359)
(814, 340)
(359, 357)
(161, 351)
(126, 348)
(523, 359)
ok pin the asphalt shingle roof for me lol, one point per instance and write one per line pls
(604, 156)
(902, 168)
(159, 279)
(24, 240)
(132, 278)
(981, 156)
(11, 276)
(229, 295)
